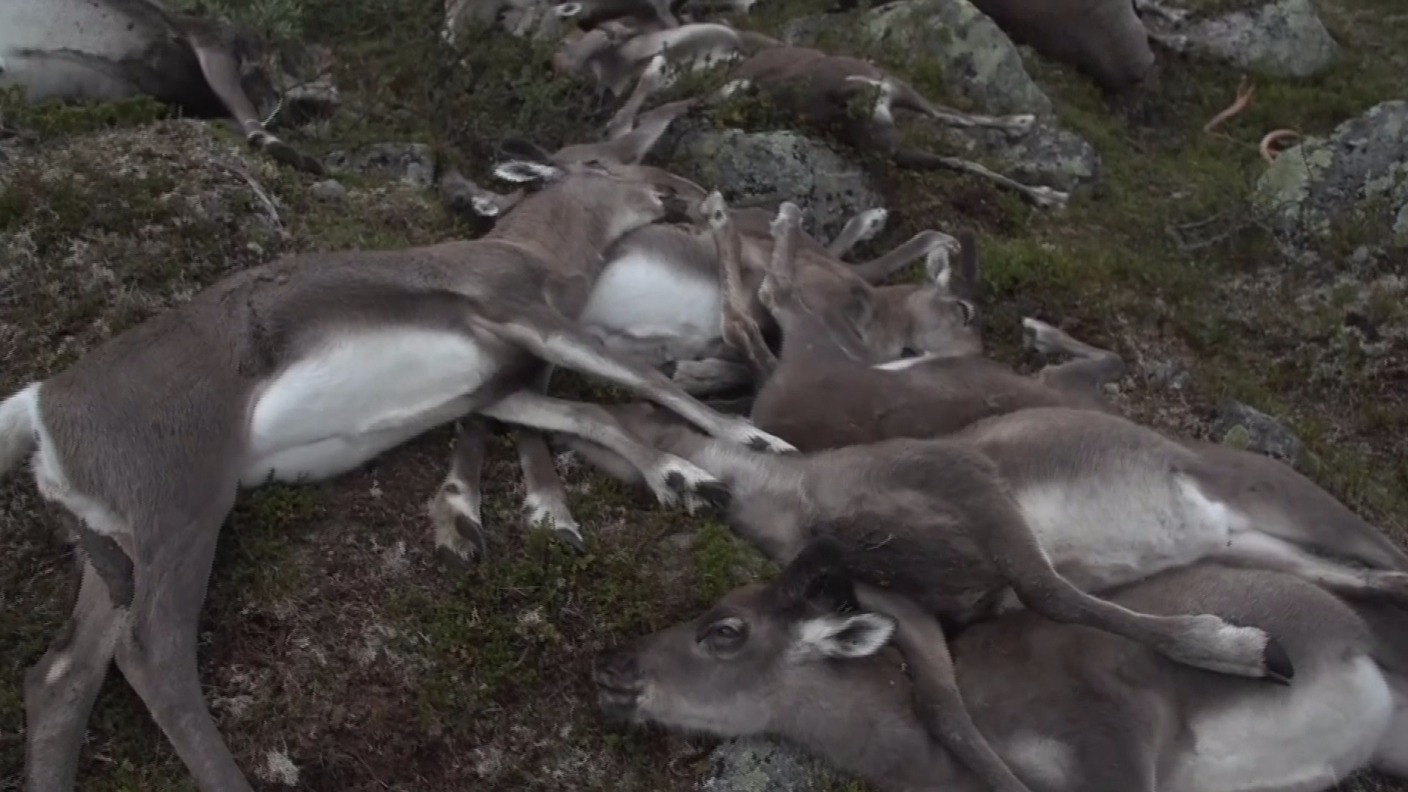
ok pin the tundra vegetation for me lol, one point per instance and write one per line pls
(339, 655)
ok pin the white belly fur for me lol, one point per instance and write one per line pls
(1100, 533)
(359, 395)
(644, 296)
(1302, 738)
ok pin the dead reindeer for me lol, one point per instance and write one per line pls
(302, 369)
(809, 658)
(816, 86)
(686, 295)
(105, 50)
(903, 360)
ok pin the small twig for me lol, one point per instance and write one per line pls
(258, 193)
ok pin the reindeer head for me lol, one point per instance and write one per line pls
(763, 657)
(621, 197)
(938, 317)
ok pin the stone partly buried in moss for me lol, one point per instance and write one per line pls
(765, 168)
(977, 60)
(1284, 38)
(1243, 426)
(758, 765)
(1359, 174)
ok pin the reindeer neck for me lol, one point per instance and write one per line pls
(558, 227)
(870, 729)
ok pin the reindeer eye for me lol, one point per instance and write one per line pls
(724, 635)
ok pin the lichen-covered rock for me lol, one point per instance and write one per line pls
(765, 168)
(1047, 155)
(1283, 38)
(409, 163)
(754, 765)
(978, 60)
(1359, 173)
(533, 19)
(1246, 427)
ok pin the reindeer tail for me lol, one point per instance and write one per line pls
(17, 426)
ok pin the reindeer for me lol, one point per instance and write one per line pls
(812, 84)
(812, 658)
(303, 369)
(917, 372)
(105, 50)
(1041, 507)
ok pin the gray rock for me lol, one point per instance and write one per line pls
(411, 163)
(978, 60)
(329, 190)
(1238, 424)
(755, 765)
(1047, 155)
(1283, 38)
(765, 168)
(1359, 173)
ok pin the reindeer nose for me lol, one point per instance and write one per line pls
(617, 669)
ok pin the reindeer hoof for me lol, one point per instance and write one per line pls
(681, 481)
(573, 538)
(761, 441)
(1036, 335)
(1279, 669)
(715, 495)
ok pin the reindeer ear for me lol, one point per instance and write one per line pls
(524, 171)
(842, 637)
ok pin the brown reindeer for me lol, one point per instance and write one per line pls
(808, 658)
(302, 369)
(816, 86)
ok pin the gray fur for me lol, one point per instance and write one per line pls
(1069, 709)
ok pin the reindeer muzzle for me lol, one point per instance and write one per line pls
(618, 683)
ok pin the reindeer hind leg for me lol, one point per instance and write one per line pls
(60, 689)
(455, 509)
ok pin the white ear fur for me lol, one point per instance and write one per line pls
(567, 10)
(847, 637)
(485, 207)
(523, 171)
(937, 267)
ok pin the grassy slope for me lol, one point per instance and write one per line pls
(332, 638)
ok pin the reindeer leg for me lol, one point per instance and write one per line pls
(1089, 372)
(921, 245)
(651, 80)
(897, 93)
(545, 499)
(455, 509)
(59, 690)
(1257, 550)
(863, 227)
(671, 479)
(937, 700)
(222, 74)
(740, 329)
(555, 339)
(157, 650)
(1201, 641)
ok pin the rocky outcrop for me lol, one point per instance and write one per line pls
(409, 163)
(1359, 173)
(764, 168)
(1284, 38)
(978, 60)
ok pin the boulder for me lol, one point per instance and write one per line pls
(1284, 38)
(757, 765)
(409, 163)
(765, 168)
(1047, 155)
(1359, 173)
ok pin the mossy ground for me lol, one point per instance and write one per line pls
(333, 642)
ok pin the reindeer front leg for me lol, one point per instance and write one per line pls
(740, 329)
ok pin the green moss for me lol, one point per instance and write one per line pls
(53, 118)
